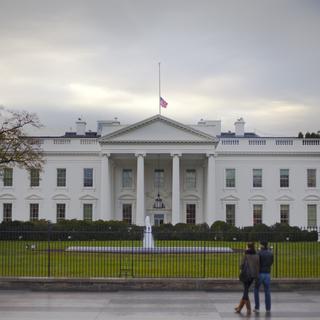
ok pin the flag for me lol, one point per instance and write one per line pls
(163, 103)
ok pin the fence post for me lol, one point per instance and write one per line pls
(49, 255)
(276, 259)
(204, 259)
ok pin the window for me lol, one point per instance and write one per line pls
(7, 177)
(126, 178)
(61, 177)
(284, 178)
(230, 178)
(231, 214)
(159, 178)
(127, 213)
(191, 179)
(87, 211)
(34, 178)
(191, 214)
(34, 211)
(88, 177)
(257, 214)
(7, 212)
(312, 215)
(61, 212)
(312, 178)
(284, 213)
(257, 178)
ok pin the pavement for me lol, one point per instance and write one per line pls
(154, 305)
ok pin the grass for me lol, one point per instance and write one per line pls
(292, 260)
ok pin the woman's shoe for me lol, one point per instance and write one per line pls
(240, 306)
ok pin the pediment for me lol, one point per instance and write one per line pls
(191, 197)
(127, 196)
(230, 198)
(88, 197)
(7, 196)
(34, 197)
(312, 197)
(158, 129)
(285, 198)
(258, 197)
(60, 196)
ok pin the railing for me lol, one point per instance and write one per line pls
(99, 254)
(271, 142)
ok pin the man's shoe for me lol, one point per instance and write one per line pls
(256, 310)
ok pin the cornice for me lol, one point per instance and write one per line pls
(71, 153)
(156, 142)
(268, 153)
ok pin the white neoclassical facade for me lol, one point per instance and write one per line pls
(170, 172)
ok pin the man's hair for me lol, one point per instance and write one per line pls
(264, 243)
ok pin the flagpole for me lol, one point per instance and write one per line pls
(159, 90)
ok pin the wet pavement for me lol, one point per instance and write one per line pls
(153, 305)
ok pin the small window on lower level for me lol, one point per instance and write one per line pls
(7, 212)
(61, 212)
(127, 213)
(87, 211)
(312, 215)
(284, 213)
(231, 214)
(191, 213)
(257, 214)
(34, 211)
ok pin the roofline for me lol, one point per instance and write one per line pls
(158, 116)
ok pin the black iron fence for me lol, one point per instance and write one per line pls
(83, 254)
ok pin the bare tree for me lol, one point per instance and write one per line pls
(16, 148)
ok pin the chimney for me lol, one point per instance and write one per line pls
(239, 127)
(81, 127)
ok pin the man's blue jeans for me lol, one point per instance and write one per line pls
(264, 278)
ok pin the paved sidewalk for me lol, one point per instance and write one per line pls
(134, 305)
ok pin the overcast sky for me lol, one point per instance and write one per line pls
(219, 60)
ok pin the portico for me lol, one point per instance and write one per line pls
(178, 166)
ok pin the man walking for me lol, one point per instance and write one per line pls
(266, 261)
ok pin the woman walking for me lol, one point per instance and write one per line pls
(249, 273)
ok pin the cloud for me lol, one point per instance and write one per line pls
(220, 59)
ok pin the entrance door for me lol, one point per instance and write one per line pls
(158, 219)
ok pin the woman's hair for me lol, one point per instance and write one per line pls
(250, 246)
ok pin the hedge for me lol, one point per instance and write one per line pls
(119, 230)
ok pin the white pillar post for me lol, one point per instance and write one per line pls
(140, 211)
(211, 193)
(105, 193)
(175, 188)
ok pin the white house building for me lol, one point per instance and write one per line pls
(171, 172)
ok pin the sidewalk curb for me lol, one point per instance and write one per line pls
(159, 284)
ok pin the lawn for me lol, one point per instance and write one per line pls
(20, 258)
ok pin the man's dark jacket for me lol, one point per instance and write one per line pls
(266, 260)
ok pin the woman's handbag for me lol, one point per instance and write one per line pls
(245, 274)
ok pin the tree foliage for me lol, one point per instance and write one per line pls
(308, 135)
(16, 148)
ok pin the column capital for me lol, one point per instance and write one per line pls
(140, 154)
(107, 155)
(213, 154)
(177, 154)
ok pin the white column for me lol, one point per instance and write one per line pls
(105, 193)
(140, 214)
(175, 188)
(211, 193)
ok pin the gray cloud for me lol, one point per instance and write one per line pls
(220, 59)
